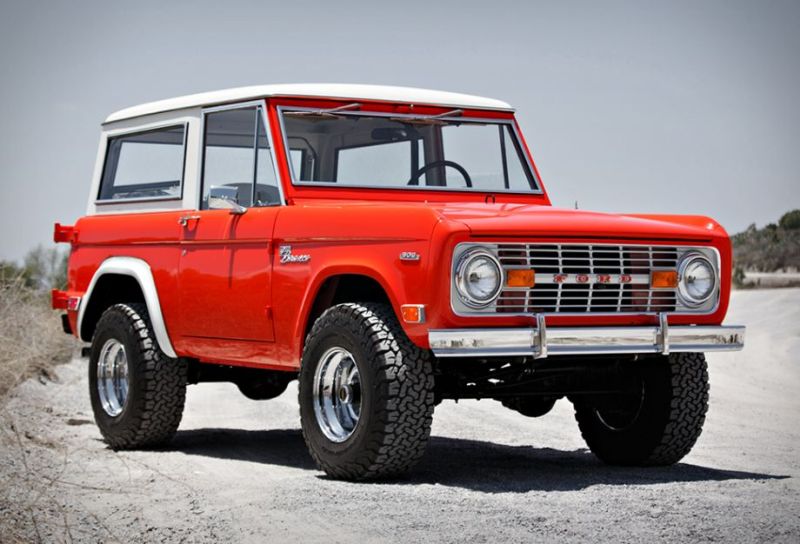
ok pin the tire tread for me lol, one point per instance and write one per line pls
(688, 389)
(404, 393)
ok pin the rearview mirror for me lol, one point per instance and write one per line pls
(389, 134)
(225, 198)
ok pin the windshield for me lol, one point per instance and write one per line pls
(410, 152)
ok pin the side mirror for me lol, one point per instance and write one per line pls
(225, 198)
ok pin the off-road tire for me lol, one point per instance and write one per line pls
(670, 418)
(396, 394)
(157, 383)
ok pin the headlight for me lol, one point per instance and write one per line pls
(478, 278)
(697, 279)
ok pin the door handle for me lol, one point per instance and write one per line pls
(184, 220)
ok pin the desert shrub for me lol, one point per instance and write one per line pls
(738, 277)
(31, 338)
(46, 268)
(790, 220)
(42, 269)
(773, 248)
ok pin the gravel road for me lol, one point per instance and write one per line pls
(238, 470)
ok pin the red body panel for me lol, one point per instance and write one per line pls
(226, 297)
(152, 237)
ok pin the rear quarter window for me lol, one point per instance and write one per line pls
(144, 165)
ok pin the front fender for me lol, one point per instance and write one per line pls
(329, 272)
(297, 285)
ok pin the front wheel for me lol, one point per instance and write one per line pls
(658, 422)
(365, 392)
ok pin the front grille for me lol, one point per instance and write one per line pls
(572, 278)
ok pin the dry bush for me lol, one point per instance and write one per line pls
(770, 249)
(32, 341)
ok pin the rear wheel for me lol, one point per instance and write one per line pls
(137, 392)
(659, 422)
(365, 392)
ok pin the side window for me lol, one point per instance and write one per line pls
(144, 165)
(236, 156)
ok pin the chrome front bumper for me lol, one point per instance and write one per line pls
(542, 342)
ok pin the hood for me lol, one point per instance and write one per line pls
(545, 221)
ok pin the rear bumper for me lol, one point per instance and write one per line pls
(542, 342)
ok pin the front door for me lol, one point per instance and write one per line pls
(226, 257)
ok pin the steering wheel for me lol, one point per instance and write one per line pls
(461, 170)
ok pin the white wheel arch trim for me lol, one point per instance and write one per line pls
(140, 271)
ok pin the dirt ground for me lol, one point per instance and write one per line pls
(238, 471)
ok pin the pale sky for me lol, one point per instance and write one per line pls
(664, 107)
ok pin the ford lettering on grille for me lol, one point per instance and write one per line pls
(587, 278)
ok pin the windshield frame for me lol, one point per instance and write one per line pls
(526, 163)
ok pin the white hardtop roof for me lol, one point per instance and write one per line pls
(314, 90)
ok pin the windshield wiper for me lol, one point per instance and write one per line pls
(428, 119)
(328, 113)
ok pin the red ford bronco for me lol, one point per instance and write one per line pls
(389, 248)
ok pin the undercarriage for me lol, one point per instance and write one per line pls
(545, 379)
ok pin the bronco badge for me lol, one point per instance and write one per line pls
(288, 257)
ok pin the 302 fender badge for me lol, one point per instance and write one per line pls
(287, 256)
(409, 256)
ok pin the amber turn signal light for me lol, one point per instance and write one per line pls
(664, 279)
(413, 313)
(520, 278)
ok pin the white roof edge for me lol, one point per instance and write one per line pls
(314, 90)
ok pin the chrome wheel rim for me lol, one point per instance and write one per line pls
(337, 394)
(112, 377)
